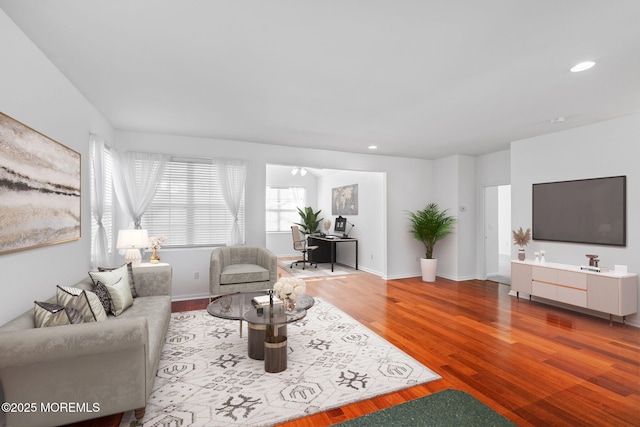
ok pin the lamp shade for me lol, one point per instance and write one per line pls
(132, 241)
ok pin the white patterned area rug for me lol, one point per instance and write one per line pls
(322, 270)
(206, 378)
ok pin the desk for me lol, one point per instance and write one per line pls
(326, 251)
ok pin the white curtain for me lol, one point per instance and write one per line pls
(233, 175)
(136, 179)
(298, 194)
(100, 249)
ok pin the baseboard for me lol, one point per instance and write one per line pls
(455, 278)
(188, 297)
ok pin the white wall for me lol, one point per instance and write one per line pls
(454, 189)
(281, 243)
(35, 93)
(411, 179)
(369, 225)
(604, 149)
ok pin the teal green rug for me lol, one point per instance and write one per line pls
(446, 408)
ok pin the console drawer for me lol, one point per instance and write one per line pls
(544, 290)
(572, 296)
(543, 274)
(572, 279)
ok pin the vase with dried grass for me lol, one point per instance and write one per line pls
(521, 238)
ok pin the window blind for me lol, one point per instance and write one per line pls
(188, 207)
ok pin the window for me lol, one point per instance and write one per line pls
(282, 204)
(188, 207)
(107, 216)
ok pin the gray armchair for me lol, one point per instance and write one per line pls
(241, 268)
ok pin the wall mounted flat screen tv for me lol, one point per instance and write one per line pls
(592, 211)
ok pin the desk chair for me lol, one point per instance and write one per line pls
(301, 245)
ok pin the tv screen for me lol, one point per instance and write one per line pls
(592, 211)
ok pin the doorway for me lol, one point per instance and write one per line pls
(497, 233)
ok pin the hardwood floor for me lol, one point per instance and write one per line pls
(535, 364)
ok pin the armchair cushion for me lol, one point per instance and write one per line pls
(241, 268)
(243, 273)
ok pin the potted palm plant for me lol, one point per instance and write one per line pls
(310, 220)
(428, 226)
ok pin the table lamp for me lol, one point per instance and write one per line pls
(132, 241)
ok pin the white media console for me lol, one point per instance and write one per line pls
(608, 292)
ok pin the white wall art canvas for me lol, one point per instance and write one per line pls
(39, 189)
(344, 200)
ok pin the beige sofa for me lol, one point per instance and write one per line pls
(76, 372)
(241, 268)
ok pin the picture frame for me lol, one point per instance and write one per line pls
(344, 200)
(341, 224)
(40, 188)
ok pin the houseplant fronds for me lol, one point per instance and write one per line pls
(430, 225)
(521, 238)
(310, 221)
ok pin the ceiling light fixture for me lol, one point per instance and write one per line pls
(372, 147)
(557, 120)
(583, 66)
(295, 171)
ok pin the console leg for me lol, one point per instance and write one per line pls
(611, 320)
(517, 294)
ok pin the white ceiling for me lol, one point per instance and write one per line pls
(423, 78)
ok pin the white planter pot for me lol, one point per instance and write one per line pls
(428, 267)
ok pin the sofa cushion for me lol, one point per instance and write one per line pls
(86, 302)
(157, 310)
(103, 295)
(111, 277)
(120, 296)
(243, 273)
(132, 284)
(47, 314)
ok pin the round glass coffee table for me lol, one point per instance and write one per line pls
(267, 327)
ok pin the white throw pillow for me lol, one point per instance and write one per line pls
(120, 274)
(86, 302)
(121, 297)
(47, 314)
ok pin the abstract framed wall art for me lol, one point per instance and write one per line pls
(344, 200)
(40, 194)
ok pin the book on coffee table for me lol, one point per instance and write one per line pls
(263, 300)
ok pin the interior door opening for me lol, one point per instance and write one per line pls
(497, 233)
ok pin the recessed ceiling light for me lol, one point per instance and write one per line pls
(583, 66)
(372, 147)
(557, 120)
